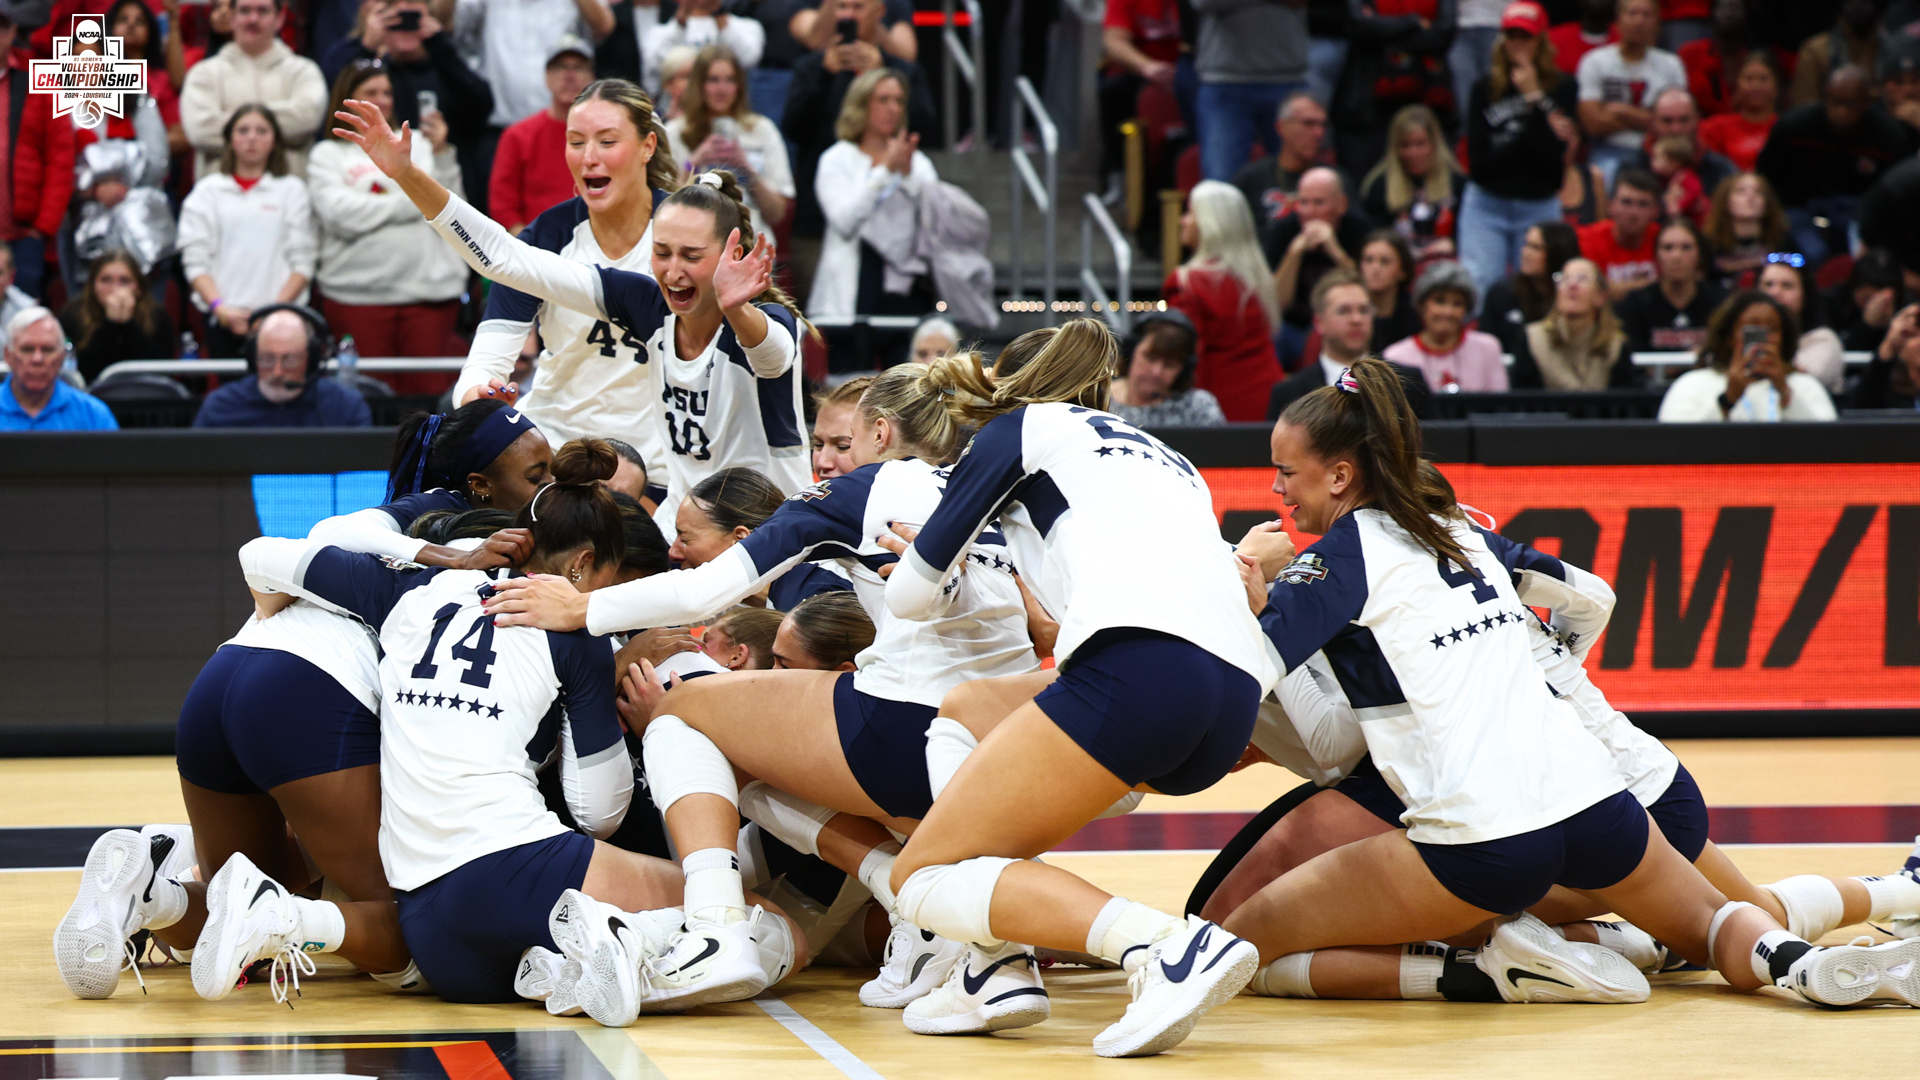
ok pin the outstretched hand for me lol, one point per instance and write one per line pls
(738, 281)
(365, 126)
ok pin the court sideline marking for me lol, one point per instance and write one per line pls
(819, 1041)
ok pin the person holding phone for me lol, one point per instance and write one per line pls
(718, 123)
(1744, 375)
(698, 24)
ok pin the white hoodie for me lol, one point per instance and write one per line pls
(375, 248)
(251, 241)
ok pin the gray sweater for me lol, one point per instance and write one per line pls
(1252, 41)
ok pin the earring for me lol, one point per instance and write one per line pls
(573, 575)
(483, 496)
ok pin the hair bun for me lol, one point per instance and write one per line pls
(584, 461)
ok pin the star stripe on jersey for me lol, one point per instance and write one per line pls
(1476, 627)
(473, 706)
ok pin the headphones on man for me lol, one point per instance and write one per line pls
(319, 337)
(1171, 316)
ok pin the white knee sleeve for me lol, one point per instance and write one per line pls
(948, 744)
(1814, 907)
(787, 818)
(1720, 919)
(681, 762)
(955, 900)
(1125, 804)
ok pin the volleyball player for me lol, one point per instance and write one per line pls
(483, 871)
(833, 414)
(595, 378)
(1505, 793)
(724, 338)
(724, 509)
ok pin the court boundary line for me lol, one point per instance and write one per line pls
(817, 1040)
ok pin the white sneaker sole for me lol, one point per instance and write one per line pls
(1231, 973)
(215, 971)
(927, 977)
(738, 980)
(1532, 966)
(91, 950)
(1851, 975)
(562, 998)
(1023, 1011)
(608, 988)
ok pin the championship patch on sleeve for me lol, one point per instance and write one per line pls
(1304, 570)
(812, 493)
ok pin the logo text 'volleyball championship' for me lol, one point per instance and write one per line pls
(88, 74)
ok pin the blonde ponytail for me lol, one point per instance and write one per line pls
(1076, 364)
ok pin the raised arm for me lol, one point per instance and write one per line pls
(986, 478)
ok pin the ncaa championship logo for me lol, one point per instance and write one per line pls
(88, 74)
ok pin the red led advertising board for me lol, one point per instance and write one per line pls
(1738, 586)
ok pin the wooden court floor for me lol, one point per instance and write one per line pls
(814, 1027)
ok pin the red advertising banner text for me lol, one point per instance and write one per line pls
(1738, 586)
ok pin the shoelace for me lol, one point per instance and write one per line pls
(132, 963)
(289, 963)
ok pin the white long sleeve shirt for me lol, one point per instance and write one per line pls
(374, 247)
(1694, 398)
(250, 242)
(849, 186)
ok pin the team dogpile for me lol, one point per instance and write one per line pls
(463, 743)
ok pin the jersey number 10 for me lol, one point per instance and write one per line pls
(479, 657)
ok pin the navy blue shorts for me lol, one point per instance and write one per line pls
(1681, 813)
(1154, 709)
(1593, 849)
(258, 718)
(886, 747)
(1367, 787)
(467, 928)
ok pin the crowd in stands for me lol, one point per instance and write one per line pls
(1496, 196)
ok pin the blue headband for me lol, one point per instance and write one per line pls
(495, 434)
(400, 484)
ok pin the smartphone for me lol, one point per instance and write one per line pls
(407, 21)
(1752, 337)
(849, 30)
(726, 127)
(429, 102)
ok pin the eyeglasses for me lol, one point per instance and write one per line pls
(1789, 258)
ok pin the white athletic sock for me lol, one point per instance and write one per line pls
(948, 744)
(1813, 904)
(1123, 930)
(1421, 965)
(1774, 954)
(407, 980)
(714, 891)
(1288, 977)
(876, 873)
(323, 926)
(1889, 896)
(169, 904)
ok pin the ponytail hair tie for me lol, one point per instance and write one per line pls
(1346, 382)
(710, 178)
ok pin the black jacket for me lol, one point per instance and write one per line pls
(1512, 151)
(1805, 158)
(813, 108)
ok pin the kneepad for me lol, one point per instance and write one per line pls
(955, 900)
(1813, 904)
(788, 818)
(681, 762)
(948, 744)
(1125, 804)
(774, 935)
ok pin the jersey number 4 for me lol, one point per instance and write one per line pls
(1482, 591)
(602, 335)
(479, 657)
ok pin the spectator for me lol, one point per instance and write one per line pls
(12, 300)
(517, 39)
(133, 23)
(1250, 57)
(1397, 58)
(1861, 308)
(1740, 382)
(1415, 190)
(1892, 379)
(676, 70)
(1317, 236)
(256, 66)
(1713, 62)
(1823, 157)
(815, 32)
(530, 171)
(246, 230)
(427, 73)
(1745, 223)
(1572, 41)
(768, 81)
(114, 317)
(121, 206)
(1619, 82)
(1140, 44)
(1900, 81)
(1451, 357)
(284, 386)
(1155, 385)
(1227, 291)
(1344, 318)
(1527, 295)
(724, 132)
(697, 24)
(1788, 280)
(1271, 183)
(1518, 126)
(1622, 245)
(1582, 187)
(933, 339)
(1683, 22)
(1578, 346)
(1327, 44)
(1470, 56)
(1674, 164)
(38, 167)
(386, 277)
(1387, 269)
(34, 397)
(218, 31)
(1675, 116)
(1739, 133)
(875, 159)
(1854, 39)
(820, 82)
(1671, 314)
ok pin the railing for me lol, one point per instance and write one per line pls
(969, 63)
(370, 365)
(1853, 358)
(1028, 184)
(1118, 315)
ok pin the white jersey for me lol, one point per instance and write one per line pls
(343, 648)
(1109, 526)
(594, 379)
(979, 633)
(731, 405)
(1438, 664)
(468, 712)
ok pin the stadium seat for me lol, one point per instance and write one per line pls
(139, 388)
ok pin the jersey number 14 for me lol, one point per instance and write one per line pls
(479, 656)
